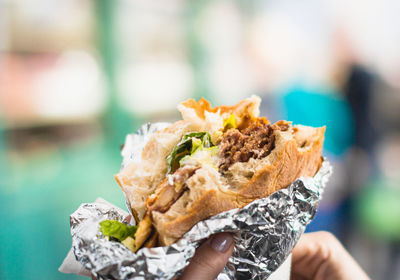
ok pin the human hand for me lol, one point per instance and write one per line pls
(319, 255)
(210, 258)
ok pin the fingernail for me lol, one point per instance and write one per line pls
(221, 242)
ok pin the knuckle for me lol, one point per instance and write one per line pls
(327, 244)
(206, 262)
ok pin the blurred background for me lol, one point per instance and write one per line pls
(77, 75)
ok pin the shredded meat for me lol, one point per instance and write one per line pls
(256, 141)
(170, 190)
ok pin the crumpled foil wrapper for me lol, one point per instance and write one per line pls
(265, 231)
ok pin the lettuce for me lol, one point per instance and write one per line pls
(116, 229)
(213, 151)
(189, 144)
(202, 156)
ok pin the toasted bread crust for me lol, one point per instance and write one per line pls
(202, 114)
(209, 204)
(243, 109)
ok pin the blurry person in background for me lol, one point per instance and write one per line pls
(372, 202)
(359, 91)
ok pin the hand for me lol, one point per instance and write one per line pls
(210, 258)
(320, 255)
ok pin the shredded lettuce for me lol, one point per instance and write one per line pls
(116, 229)
(202, 156)
(213, 150)
(190, 143)
(230, 122)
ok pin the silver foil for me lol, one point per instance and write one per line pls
(265, 231)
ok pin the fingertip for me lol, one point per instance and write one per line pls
(221, 242)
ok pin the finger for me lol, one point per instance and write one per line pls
(320, 255)
(312, 250)
(210, 258)
(294, 276)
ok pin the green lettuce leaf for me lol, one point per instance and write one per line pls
(188, 145)
(116, 229)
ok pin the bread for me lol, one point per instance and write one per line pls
(139, 179)
(255, 158)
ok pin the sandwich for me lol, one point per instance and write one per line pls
(213, 160)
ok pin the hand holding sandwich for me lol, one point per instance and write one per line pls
(210, 258)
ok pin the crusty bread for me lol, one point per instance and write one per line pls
(297, 152)
(139, 179)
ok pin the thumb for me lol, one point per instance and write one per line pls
(210, 258)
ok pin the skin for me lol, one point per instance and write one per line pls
(209, 260)
(320, 255)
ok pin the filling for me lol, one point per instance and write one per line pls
(167, 193)
(195, 150)
(190, 144)
(170, 190)
(256, 141)
(119, 232)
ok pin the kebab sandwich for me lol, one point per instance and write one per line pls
(213, 160)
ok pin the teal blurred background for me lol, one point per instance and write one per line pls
(77, 75)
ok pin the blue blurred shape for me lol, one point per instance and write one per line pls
(319, 107)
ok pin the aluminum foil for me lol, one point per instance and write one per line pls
(265, 231)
